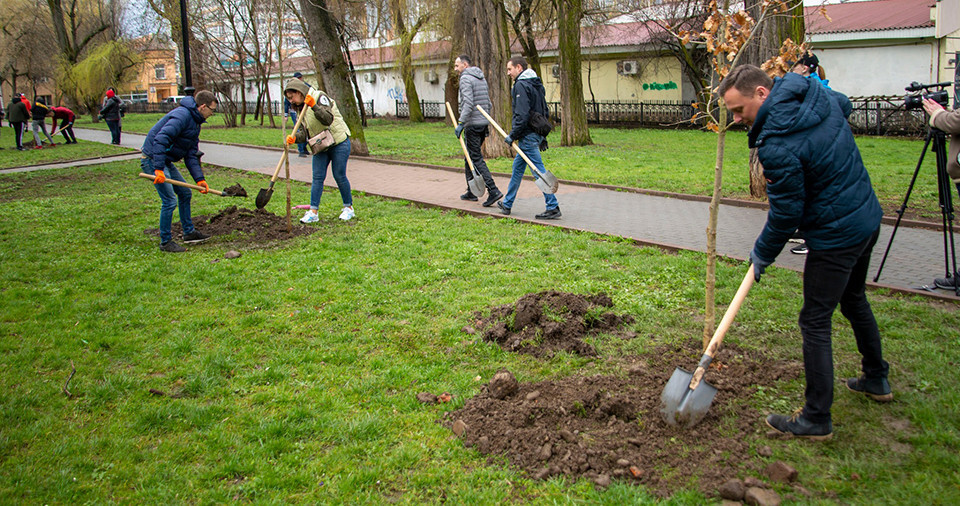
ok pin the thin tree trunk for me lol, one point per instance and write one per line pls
(335, 75)
(710, 311)
(758, 185)
(406, 73)
(573, 117)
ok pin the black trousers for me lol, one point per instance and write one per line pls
(18, 132)
(66, 128)
(830, 278)
(473, 137)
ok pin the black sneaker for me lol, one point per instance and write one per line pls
(172, 247)
(303, 155)
(799, 250)
(469, 196)
(195, 237)
(550, 214)
(492, 198)
(796, 425)
(503, 210)
(947, 283)
(876, 389)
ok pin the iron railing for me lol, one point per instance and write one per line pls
(225, 107)
(654, 113)
(885, 116)
(435, 110)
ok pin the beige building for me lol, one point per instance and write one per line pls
(157, 76)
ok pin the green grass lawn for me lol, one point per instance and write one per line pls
(10, 157)
(667, 160)
(295, 367)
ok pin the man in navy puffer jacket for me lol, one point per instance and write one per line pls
(176, 137)
(816, 182)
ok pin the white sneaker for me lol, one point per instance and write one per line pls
(310, 217)
(347, 213)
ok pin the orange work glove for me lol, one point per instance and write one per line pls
(203, 183)
(291, 139)
(309, 101)
(160, 178)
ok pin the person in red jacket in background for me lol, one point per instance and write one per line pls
(66, 118)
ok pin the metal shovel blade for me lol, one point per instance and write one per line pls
(684, 407)
(548, 183)
(476, 186)
(263, 198)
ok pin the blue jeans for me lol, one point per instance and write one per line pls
(171, 197)
(301, 146)
(831, 278)
(335, 156)
(530, 145)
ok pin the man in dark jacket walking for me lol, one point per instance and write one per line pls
(176, 137)
(110, 112)
(473, 125)
(17, 116)
(528, 97)
(39, 112)
(816, 182)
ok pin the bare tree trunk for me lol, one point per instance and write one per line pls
(710, 311)
(451, 88)
(482, 26)
(353, 74)
(523, 26)
(758, 185)
(573, 117)
(325, 45)
(406, 73)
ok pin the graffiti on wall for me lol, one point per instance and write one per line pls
(396, 93)
(660, 86)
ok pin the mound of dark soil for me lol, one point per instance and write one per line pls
(257, 226)
(541, 324)
(608, 428)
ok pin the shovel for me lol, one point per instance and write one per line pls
(547, 182)
(263, 198)
(686, 398)
(225, 193)
(476, 183)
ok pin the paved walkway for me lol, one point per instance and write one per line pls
(916, 257)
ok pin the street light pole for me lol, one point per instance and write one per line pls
(185, 36)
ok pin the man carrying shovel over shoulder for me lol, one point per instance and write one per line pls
(473, 126)
(816, 182)
(176, 137)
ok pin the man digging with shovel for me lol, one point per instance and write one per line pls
(816, 182)
(176, 137)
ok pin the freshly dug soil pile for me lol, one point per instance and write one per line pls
(541, 324)
(235, 191)
(608, 428)
(258, 226)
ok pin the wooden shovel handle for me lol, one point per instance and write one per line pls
(725, 323)
(516, 147)
(463, 145)
(181, 183)
(296, 126)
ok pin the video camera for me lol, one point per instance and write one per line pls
(914, 99)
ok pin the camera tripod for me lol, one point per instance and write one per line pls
(939, 140)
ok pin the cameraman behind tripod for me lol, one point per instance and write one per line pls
(949, 122)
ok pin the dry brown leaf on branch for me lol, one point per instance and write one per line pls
(823, 12)
(713, 127)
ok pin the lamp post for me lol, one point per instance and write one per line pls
(185, 36)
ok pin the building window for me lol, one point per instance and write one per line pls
(160, 71)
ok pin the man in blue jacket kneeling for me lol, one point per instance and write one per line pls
(817, 184)
(177, 137)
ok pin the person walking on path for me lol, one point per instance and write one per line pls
(473, 126)
(290, 111)
(17, 116)
(949, 122)
(66, 117)
(529, 98)
(176, 137)
(110, 112)
(39, 112)
(327, 134)
(816, 181)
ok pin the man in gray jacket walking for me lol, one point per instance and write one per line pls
(474, 126)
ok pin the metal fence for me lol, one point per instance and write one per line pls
(655, 113)
(885, 116)
(435, 110)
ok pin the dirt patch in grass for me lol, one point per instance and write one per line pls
(255, 226)
(541, 324)
(19, 186)
(606, 428)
